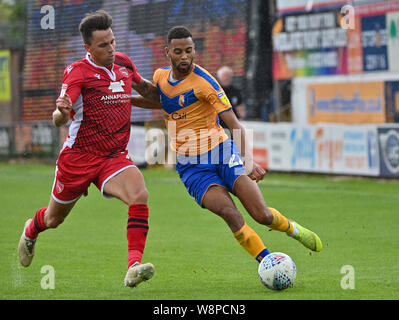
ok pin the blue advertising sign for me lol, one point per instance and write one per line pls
(374, 42)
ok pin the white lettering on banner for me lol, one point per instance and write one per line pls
(310, 21)
(310, 31)
(374, 38)
(322, 59)
(295, 62)
(306, 40)
(375, 61)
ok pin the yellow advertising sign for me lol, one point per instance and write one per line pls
(5, 83)
(346, 102)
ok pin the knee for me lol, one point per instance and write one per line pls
(263, 216)
(140, 197)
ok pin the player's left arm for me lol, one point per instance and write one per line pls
(141, 102)
(254, 170)
(149, 92)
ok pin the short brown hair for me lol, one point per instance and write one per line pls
(99, 20)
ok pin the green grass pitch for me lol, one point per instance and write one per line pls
(194, 253)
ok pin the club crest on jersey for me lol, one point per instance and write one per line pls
(59, 187)
(222, 96)
(116, 86)
(124, 72)
(181, 101)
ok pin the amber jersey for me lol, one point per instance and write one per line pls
(102, 107)
(191, 107)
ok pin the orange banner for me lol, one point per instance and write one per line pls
(346, 102)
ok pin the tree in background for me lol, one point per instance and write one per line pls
(13, 17)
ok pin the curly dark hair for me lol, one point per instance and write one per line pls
(178, 32)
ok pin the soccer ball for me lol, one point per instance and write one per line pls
(277, 271)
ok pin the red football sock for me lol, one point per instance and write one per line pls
(137, 229)
(36, 225)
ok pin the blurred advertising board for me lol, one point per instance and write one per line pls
(370, 43)
(346, 102)
(392, 22)
(333, 149)
(388, 138)
(374, 43)
(290, 6)
(392, 100)
(338, 149)
(5, 83)
(309, 44)
(377, 26)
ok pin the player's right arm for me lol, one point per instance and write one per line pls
(62, 113)
(72, 84)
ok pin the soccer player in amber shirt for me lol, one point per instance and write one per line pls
(210, 165)
(95, 95)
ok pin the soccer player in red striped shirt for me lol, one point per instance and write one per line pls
(95, 95)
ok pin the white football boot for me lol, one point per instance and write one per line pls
(138, 273)
(26, 248)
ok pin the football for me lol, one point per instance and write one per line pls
(277, 271)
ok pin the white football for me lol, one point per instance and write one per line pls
(277, 271)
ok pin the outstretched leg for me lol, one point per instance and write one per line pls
(252, 199)
(218, 200)
(45, 218)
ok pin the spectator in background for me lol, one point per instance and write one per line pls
(225, 77)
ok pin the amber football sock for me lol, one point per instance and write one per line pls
(251, 242)
(281, 223)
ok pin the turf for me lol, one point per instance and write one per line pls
(194, 253)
